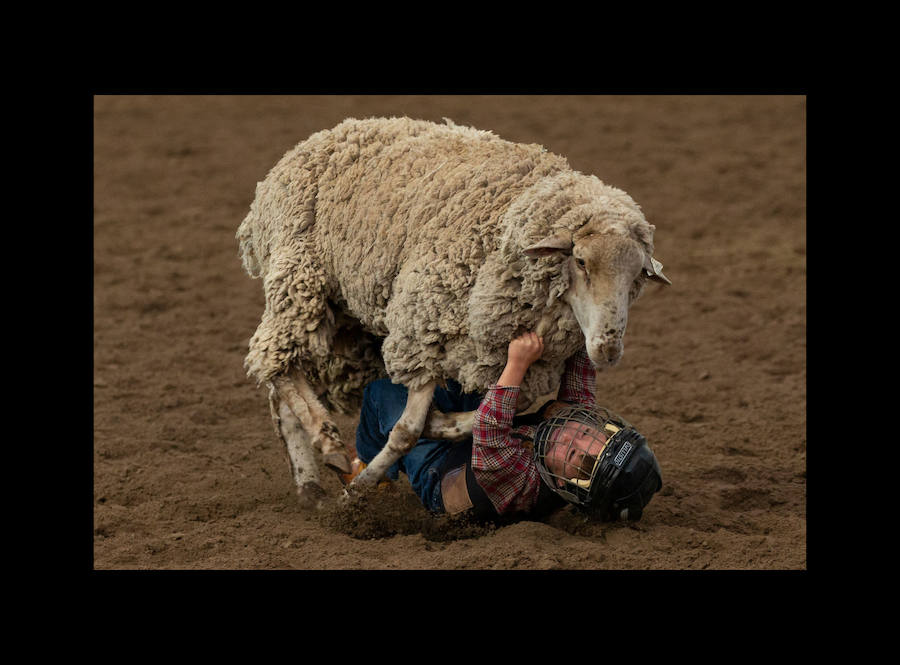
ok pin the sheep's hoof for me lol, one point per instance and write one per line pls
(363, 478)
(348, 496)
(311, 495)
(338, 462)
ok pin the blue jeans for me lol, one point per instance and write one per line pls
(383, 403)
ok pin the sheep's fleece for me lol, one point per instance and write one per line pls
(413, 232)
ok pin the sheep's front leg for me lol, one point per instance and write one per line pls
(451, 426)
(406, 432)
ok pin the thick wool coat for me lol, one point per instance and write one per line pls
(392, 245)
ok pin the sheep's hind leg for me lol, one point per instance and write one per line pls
(294, 390)
(299, 452)
(406, 432)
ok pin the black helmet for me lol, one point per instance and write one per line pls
(618, 481)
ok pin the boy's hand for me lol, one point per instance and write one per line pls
(524, 350)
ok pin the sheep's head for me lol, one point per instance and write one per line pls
(574, 254)
(605, 247)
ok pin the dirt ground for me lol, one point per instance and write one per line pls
(188, 473)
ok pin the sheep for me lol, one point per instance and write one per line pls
(415, 250)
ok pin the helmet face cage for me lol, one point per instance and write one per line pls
(584, 476)
(555, 439)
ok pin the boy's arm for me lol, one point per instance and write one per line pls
(501, 464)
(493, 419)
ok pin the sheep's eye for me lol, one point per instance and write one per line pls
(580, 263)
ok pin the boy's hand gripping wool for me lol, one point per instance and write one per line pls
(400, 247)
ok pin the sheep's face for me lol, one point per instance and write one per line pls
(606, 275)
(607, 272)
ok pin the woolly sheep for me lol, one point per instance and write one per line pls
(401, 247)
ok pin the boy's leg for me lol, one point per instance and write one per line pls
(383, 404)
(423, 465)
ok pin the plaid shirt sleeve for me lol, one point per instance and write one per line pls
(503, 463)
(579, 380)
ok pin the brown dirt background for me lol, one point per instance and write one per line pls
(188, 473)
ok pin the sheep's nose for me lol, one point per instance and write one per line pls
(607, 351)
(613, 351)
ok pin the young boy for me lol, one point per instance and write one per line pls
(522, 467)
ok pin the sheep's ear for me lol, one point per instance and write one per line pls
(560, 242)
(653, 270)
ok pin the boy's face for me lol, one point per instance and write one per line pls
(573, 450)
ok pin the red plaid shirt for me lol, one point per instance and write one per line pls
(502, 462)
